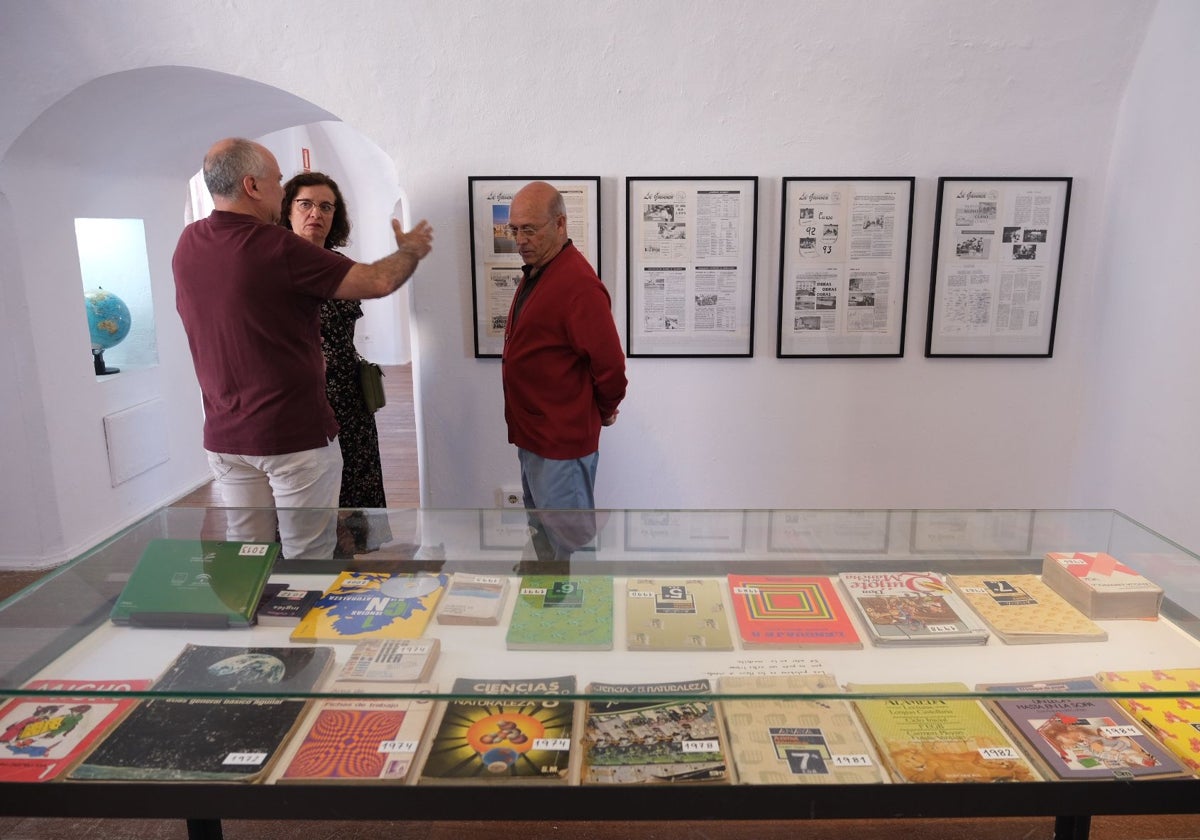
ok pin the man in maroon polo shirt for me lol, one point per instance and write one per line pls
(249, 292)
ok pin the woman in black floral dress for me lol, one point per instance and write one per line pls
(313, 207)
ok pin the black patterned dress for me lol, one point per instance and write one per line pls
(362, 474)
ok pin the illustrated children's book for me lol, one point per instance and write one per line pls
(42, 736)
(211, 735)
(391, 660)
(1100, 586)
(1175, 721)
(676, 614)
(196, 583)
(653, 733)
(939, 739)
(357, 739)
(784, 739)
(790, 612)
(911, 608)
(1079, 737)
(513, 732)
(473, 599)
(562, 613)
(1021, 610)
(372, 605)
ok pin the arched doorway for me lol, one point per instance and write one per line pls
(121, 146)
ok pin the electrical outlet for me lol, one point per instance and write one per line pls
(511, 496)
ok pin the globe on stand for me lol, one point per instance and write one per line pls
(108, 322)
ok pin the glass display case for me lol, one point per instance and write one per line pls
(736, 664)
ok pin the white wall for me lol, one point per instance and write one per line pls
(367, 178)
(121, 146)
(618, 88)
(1144, 401)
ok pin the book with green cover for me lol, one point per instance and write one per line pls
(196, 584)
(554, 612)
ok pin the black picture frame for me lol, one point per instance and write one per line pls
(691, 247)
(844, 250)
(996, 275)
(496, 270)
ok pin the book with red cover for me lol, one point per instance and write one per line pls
(775, 611)
(42, 736)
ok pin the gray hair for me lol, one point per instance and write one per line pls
(226, 166)
(557, 207)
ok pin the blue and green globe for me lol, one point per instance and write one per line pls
(108, 319)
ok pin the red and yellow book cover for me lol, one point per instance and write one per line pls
(790, 612)
(1175, 721)
(42, 736)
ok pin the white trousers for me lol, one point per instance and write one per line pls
(298, 492)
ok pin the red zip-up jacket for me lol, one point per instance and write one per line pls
(563, 368)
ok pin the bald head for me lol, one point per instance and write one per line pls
(540, 208)
(244, 176)
(543, 197)
(230, 160)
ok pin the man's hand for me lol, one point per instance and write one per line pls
(417, 241)
(382, 277)
(608, 421)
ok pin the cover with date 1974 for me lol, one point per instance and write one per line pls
(496, 739)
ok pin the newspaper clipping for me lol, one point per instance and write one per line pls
(845, 266)
(693, 264)
(498, 265)
(998, 259)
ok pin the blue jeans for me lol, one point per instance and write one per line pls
(560, 495)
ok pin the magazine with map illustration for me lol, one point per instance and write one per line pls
(372, 605)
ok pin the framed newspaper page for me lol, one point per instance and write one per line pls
(495, 263)
(997, 266)
(843, 266)
(690, 249)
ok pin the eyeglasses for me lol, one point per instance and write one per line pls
(305, 206)
(525, 230)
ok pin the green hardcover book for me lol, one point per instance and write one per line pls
(196, 583)
(562, 613)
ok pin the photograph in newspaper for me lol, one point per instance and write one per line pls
(691, 263)
(997, 266)
(843, 270)
(495, 263)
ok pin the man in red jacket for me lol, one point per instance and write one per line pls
(563, 370)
